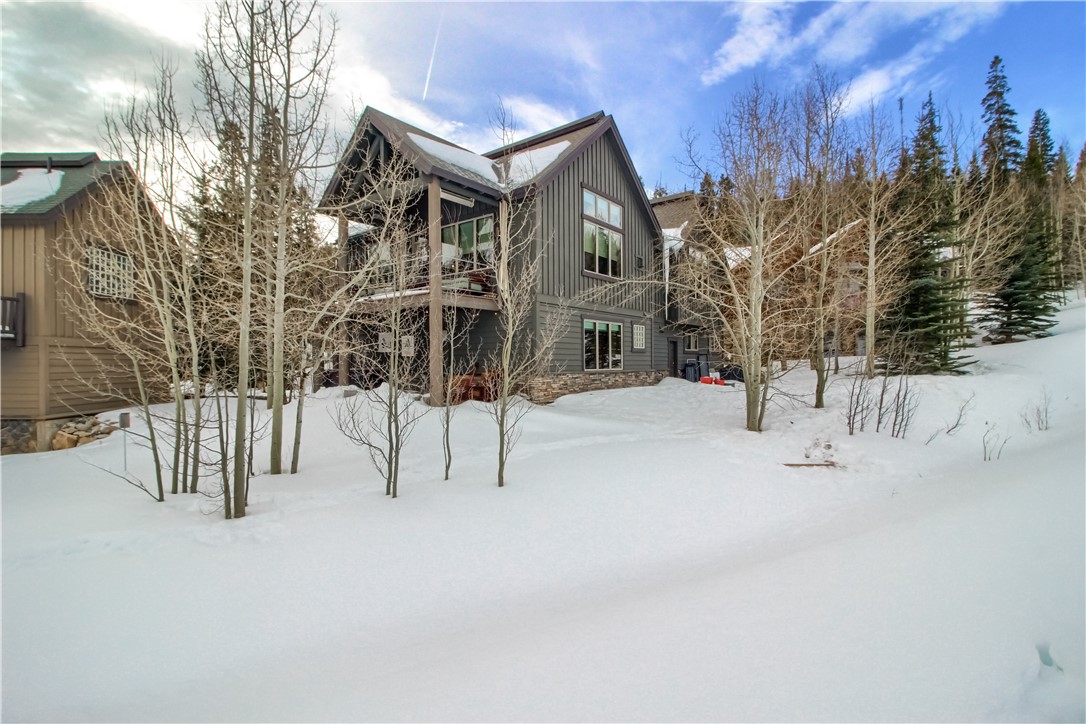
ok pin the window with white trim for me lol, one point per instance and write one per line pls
(639, 336)
(602, 345)
(602, 222)
(109, 273)
(690, 343)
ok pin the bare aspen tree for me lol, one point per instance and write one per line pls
(459, 362)
(875, 196)
(819, 151)
(1078, 202)
(137, 212)
(264, 65)
(989, 220)
(235, 50)
(295, 86)
(382, 418)
(525, 348)
(737, 271)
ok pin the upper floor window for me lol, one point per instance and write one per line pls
(109, 273)
(602, 221)
(473, 240)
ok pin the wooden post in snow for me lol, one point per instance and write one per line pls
(433, 217)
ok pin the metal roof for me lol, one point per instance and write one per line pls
(75, 171)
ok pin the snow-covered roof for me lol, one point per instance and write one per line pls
(29, 186)
(832, 238)
(33, 185)
(526, 166)
(523, 167)
(328, 228)
(458, 157)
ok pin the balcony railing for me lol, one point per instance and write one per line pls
(13, 319)
(459, 276)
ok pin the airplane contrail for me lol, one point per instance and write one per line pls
(441, 19)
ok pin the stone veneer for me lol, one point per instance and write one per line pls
(548, 389)
(27, 436)
(18, 436)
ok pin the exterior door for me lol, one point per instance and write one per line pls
(673, 356)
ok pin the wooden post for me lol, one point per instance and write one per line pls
(437, 339)
(342, 354)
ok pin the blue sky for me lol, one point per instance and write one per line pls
(658, 67)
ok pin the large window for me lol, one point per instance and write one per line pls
(602, 345)
(109, 273)
(473, 239)
(602, 221)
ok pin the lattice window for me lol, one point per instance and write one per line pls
(639, 336)
(109, 273)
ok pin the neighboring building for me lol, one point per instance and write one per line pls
(593, 227)
(678, 217)
(49, 369)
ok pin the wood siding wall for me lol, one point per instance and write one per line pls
(61, 371)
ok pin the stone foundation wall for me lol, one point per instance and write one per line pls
(27, 436)
(548, 389)
(18, 436)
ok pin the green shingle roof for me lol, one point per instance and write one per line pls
(60, 177)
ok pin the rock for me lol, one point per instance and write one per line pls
(63, 440)
(85, 440)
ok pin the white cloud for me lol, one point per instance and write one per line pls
(180, 22)
(846, 33)
(947, 23)
(759, 34)
(584, 51)
(534, 116)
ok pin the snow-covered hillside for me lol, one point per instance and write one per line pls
(649, 560)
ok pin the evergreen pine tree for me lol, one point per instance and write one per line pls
(1002, 150)
(1024, 306)
(921, 330)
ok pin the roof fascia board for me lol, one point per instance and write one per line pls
(419, 159)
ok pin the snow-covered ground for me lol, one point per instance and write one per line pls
(648, 560)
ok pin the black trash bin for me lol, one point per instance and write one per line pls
(731, 372)
(690, 372)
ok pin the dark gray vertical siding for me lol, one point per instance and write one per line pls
(659, 344)
(568, 349)
(599, 168)
(482, 338)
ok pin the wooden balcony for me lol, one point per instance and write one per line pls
(463, 285)
(13, 319)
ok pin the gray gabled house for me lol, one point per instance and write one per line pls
(594, 229)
